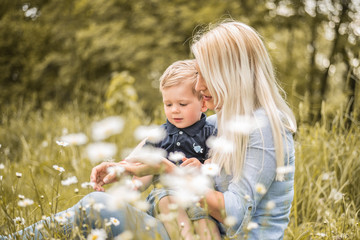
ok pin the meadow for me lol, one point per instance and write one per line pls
(327, 179)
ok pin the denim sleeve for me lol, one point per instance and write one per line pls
(241, 197)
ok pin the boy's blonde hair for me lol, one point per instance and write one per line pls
(178, 72)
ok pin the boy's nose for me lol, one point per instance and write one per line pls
(175, 109)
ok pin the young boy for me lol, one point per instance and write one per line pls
(187, 132)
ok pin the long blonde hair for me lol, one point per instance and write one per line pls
(239, 75)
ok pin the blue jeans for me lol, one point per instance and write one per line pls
(130, 219)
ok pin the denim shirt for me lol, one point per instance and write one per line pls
(243, 202)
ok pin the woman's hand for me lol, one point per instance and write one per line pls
(191, 162)
(100, 175)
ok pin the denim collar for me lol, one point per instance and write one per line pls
(191, 130)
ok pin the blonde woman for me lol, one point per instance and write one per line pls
(254, 149)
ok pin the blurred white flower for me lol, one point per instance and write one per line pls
(321, 234)
(176, 156)
(99, 151)
(243, 124)
(210, 169)
(97, 234)
(87, 185)
(142, 205)
(19, 175)
(247, 197)
(98, 206)
(220, 144)
(336, 195)
(281, 171)
(39, 226)
(107, 127)
(44, 143)
(69, 181)
(21, 196)
(60, 169)
(26, 202)
(270, 205)
(62, 143)
(120, 195)
(167, 217)
(285, 169)
(68, 214)
(260, 188)
(1, 177)
(2, 166)
(252, 225)
(230, 221)
(116, 170)
(61, 219)
(148, 155)
(182, 180)
(153, 133)
(19, 221)
(74, 139)
(133, 183)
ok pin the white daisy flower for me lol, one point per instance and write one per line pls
(252, 225)
(62, 143)
(114, 221)
(19, 221)
(2, 166)
(116, 170)
(153, 133)
(61, 219)
(176, 156)
(19, 175)
(99, 151)
(87, 185)
(60, 169)
(270, 205)
(148, 155)
(210, 169)
(220, 144)
(69, 181)
(120, 195)
(230, 221)
(75, 139)
(26, 202)
(97, 234)
(260, 188)
(107, 127)
(243, 124)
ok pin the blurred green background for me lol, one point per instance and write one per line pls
(54, 53)
(65, 64)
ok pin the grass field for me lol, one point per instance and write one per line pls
(327, 176)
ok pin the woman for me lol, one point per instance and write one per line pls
(255, 185)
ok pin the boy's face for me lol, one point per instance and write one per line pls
(182, 107)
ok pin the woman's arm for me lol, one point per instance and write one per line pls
(215, 204)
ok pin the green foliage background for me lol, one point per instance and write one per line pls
(65, 64)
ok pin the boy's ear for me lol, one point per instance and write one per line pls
(203, 106)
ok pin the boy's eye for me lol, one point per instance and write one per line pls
(183, 104)
(168, 105)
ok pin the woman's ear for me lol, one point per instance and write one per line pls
(203, 106)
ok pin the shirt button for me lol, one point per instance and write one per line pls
(178, 144)
(181, 132)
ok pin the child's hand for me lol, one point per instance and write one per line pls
(191, 162)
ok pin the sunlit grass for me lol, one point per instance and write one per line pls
(327, 177)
